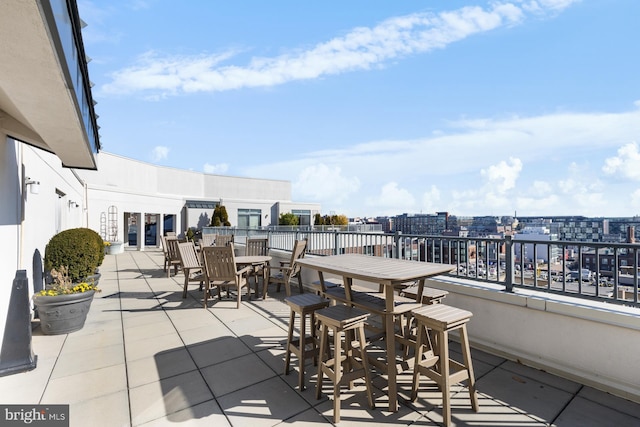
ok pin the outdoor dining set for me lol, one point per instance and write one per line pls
(342, 316)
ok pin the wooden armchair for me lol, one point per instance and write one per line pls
(223, 239)
(287, 270)
(258, 247)
(208, 239)
(165, 252)
(190, 264)
(172, 258)
(221, 271)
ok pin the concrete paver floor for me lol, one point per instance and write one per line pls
(147, 357)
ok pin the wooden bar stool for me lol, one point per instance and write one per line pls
(434, 323)
(429, 296)
(343, 367)
(305, 305)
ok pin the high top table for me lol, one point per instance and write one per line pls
(389, 273)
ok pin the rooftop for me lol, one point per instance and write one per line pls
(148, 357)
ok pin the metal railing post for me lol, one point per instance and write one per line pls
(396, 239)
(335, 242)
(508, 253)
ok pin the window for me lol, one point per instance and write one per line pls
(303, 215)
(249, 218)
(200, 204)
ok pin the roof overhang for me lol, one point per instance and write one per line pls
(45, 96)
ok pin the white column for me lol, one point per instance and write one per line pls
(141, 231)
(160, 226)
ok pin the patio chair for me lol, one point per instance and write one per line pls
(258, 247)
(287, 270)
(165, 252)
(207, 240)
(191, 265)
(173, 258)
(221, 271)
(223, 239)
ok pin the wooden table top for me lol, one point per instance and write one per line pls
(252, 259)
(387, 271)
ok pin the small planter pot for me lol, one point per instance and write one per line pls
(63, 314)
(114, 248)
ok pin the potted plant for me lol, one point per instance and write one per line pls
(71, 259)
(63, 305)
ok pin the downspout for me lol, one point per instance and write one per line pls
(85, 199)
(20, 205)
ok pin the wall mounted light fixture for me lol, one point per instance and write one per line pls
(34, 186)
(73, 204)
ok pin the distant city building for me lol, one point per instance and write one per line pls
(422, 223)
(531, 252)
(565, 228)
(387, 223)
(482, 226)
(572, 228)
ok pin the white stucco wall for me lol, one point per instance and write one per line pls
(594, 343)
(28, 221)
(139, 187)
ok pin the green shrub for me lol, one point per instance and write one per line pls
(99, 244)
(77, 249)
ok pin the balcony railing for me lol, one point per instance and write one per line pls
(601, 271)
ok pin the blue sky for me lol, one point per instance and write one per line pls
(381, 108)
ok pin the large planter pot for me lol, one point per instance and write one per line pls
(93, 279)
(62, 314)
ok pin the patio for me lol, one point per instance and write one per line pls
(148, 357)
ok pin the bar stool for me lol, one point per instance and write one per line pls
(305, 305)
(343, 367)
(429, 296)
(440, 319)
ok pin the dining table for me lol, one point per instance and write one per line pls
(255, 261)
(390, 274)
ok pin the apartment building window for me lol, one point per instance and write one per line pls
(248, 218)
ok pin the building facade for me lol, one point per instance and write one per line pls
(52, 174)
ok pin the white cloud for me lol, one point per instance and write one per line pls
(626, 164)
(218, 169)
(392, 199)
(494, 193)
(540, 188)
(502, 177)
(322, 182)
(532, 148)
(635, 199)
(361, 49)
(581, 191)
(431, 199)
(159, 153)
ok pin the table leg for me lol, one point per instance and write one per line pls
(420, 290)
(391, 349)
